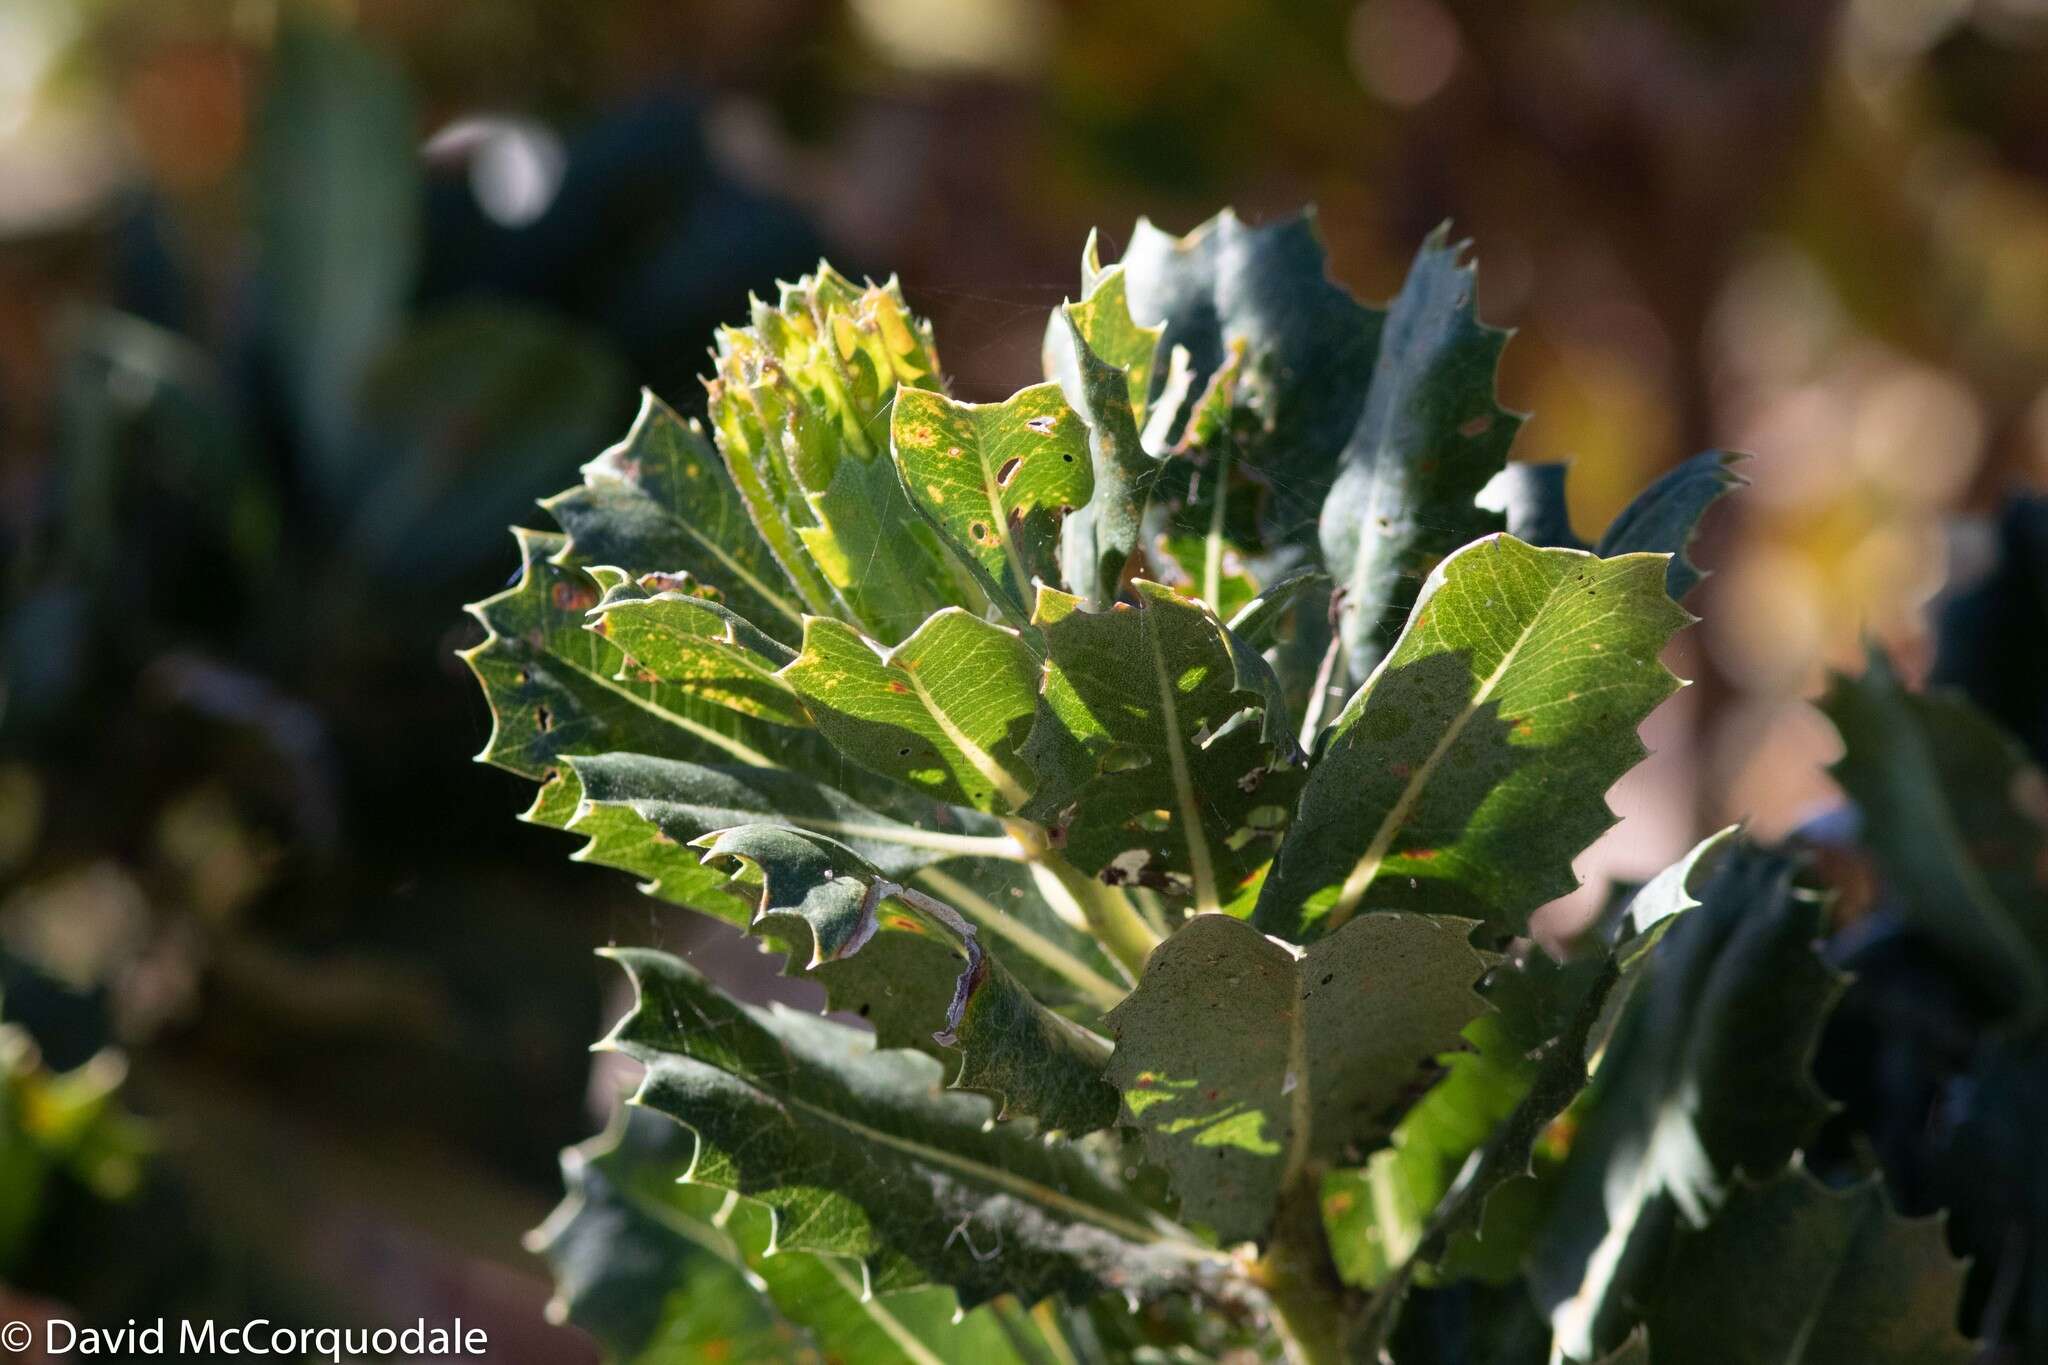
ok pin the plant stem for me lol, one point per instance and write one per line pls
(1301, 1280)
(1106, 910)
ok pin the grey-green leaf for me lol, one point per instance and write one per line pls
(1430, 439)
(1471, 768)
(1097, 540)
(1665, 516)
(860, 1154)
(1242, 1061)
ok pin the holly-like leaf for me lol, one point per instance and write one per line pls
(1706, 1076)
(1429, 440)
(1957, 816)
(946, 712)
(1531, 497)
(800, 405)
(1665, 516)
(1470, 769)
(671, 634)
(1103, 320)
(556, 688)
(662, 1272)
(995, 480)
(1031, 1060)
(1137, 759)
(1243, 1060)
(1790, 1270)
(1307, 347)
(660, 501)
(1097, 540)
(860, 1154)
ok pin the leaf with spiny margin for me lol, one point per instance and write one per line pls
(995, 480)
(1103, 320)
(1258, 622)
(1029, 1059)
(1470, 770)
(1096, 541)
(554, 689)
(1665, 516)
(1307, 347)
(660, 501)
(642, 812)
(1242, 1061)
(660, 1272)
(671, 634)
(1957, 816)
(1135, 763)
(945, 712)
(860, 1154)
(1706, 1077)
(800, 405)
(1421, 1203)
(1430, 439)
(1791, 1271)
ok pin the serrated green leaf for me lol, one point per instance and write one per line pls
(1244, 1062)
(1308, 347)
(800, 406)
(1665, 516)
(1097, 539)
(946, 712)
(555, 689)
(665, 1273)
(670, 634)
(1029, 1059)
(1429, 440)
(1470, 769)
(641, 814)
(1103, 320)
(995, 480)
(1957, 816)
(1258, 621)
(660, 501)
(1792, 1271)
(860, 1154)
(1706, 1077)
(1137, 762)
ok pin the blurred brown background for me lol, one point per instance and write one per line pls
(301, 304)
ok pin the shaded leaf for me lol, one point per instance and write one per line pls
(1136, 761)
(860, 1154)
(1243, 1061)
(1470, 769)
(1821, 1277)
(995, 480)
(1429, 440)
(1957, 816)
(1531, 497)
(1665, 516)
(1097, 540)
(1706, 1076)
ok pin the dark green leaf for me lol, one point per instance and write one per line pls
(1790, 1271)
(1958, 818)
(1665, 516)
(860, 1154)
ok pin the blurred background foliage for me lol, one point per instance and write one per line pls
(302, 304)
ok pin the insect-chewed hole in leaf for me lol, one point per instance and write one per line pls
(1008, 471)
(1043, 425)
(979, 530)
(1152, 820)
(543, 718)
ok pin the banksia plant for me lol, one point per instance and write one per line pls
(1162, 766)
